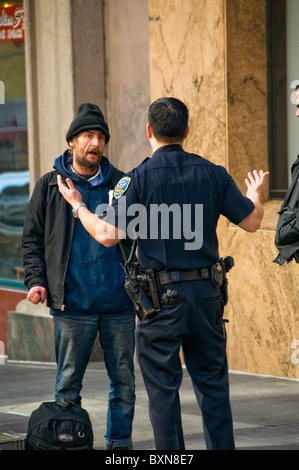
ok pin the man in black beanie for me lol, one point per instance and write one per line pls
(88, 116)
(81, 280)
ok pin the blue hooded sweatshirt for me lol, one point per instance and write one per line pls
(95, 278)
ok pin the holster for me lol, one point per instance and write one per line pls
(218, 275)
(142, 289)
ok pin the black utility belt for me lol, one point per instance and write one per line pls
(217, 273)
(143, 285)
(169, 277)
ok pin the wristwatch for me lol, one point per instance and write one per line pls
(76, 208)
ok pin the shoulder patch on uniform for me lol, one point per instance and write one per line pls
(121, 187)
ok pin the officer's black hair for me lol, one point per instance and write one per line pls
(168, 118)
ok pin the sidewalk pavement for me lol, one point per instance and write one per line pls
(265, 409)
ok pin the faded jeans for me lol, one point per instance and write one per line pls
(74, 339)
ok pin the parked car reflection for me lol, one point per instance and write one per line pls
(14, 187)
(14, 198)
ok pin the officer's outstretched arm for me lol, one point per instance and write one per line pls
(104, 233)
(255, 184)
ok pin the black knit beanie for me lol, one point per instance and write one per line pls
(89, 117)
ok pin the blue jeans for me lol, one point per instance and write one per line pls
(74, 339)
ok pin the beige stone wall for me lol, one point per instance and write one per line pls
(263, 307)
(246, 62)
(188, 61)
(212, 55)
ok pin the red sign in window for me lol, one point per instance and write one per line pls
(12, 23)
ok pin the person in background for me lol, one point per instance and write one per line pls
(287, 228)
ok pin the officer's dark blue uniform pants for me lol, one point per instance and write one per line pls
(193, 324)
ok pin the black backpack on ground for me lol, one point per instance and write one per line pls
(287, 230)
(59, 426)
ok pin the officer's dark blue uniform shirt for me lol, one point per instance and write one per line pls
(173, 202)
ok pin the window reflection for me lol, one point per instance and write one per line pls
(14, 175)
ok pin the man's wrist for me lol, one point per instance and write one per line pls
(76, 207)
(255, 197)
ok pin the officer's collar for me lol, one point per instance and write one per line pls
(168, 148)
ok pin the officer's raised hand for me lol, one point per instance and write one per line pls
(255, 184)
(104, 233)
(68, 191)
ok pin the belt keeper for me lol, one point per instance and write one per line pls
(205, 273)
(175, 276)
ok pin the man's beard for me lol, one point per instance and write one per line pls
(84, 163)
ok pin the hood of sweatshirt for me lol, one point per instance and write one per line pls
(63, 165)
(94, 278)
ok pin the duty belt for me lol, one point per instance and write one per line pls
(217, 273)
(168, 277)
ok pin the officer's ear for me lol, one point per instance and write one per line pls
(187, 132)
(149, 131)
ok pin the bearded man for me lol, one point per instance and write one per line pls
(81, 280)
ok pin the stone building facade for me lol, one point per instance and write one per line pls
(215, 55)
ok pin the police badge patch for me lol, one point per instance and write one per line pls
(121, 187)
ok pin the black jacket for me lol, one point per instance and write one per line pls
(46, 250)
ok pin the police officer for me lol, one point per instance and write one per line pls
(178, 198)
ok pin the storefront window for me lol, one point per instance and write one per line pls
(14, 175)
